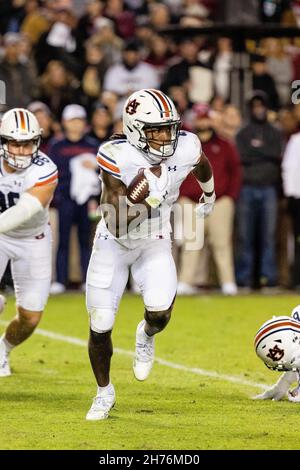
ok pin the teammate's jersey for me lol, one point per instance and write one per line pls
(123, 161)
(41, 172)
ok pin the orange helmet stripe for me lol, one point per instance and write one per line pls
(163, 101)
(23, 122)
(274, 326)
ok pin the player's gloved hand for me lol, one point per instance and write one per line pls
(280, 389)
(206, 205)
(158, 186)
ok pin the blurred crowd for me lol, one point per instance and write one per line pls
(73, 63)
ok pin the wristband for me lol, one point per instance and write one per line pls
(208, 186)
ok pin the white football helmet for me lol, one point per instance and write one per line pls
(19, 125)
(146, 109)
(277, 343)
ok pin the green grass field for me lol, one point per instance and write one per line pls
(43, 404)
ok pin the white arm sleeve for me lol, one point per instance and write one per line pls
(26, 207)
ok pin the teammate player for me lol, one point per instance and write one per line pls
(277, 343)
(27, 182)
(151, 137)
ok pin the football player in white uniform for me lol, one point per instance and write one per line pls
(151, 137)
(28, 179)
(277, 344)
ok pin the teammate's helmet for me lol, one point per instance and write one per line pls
(21, 126)
(146, 109)
(277, 343)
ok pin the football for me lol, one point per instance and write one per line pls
(138, 189)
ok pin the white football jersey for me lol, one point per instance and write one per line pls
(123, 161)
(41, 172)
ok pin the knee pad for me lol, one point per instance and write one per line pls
(101, 319)
(158, 319)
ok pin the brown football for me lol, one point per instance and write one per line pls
(138, 189)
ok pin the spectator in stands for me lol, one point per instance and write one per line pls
(230, 123)
(222, 67)
(239, 13)
(11, 15)
(144, 32)
(36, 21)
(123, 18)
(273, 11)
(280, 67)
(57, 87)
(109, 42)
(51, 129)
(101, 123)
(262, 80)
(59, 43)
(260, 147)
(17, 74)
(184, 107)
(291, 187)
(159, 16)
(93, 74)
(86, 26)
(191, 73)
(74, 156)
(110, 99)
(225, 162)
(287, 123)
(130, 75)
(159, 54)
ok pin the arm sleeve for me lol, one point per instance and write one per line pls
(24, 210)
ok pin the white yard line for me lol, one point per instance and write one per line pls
(163, 362)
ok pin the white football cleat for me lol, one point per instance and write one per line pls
(2, 303)
(4, 361)
(144, 353)
(102, 404)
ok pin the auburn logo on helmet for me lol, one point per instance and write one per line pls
(275, 353)
(132, 107)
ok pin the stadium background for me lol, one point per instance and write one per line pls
(62, 52)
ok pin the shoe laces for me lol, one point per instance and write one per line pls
(102, 402)
(144, 351)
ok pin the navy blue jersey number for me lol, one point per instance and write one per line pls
(8, 200)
